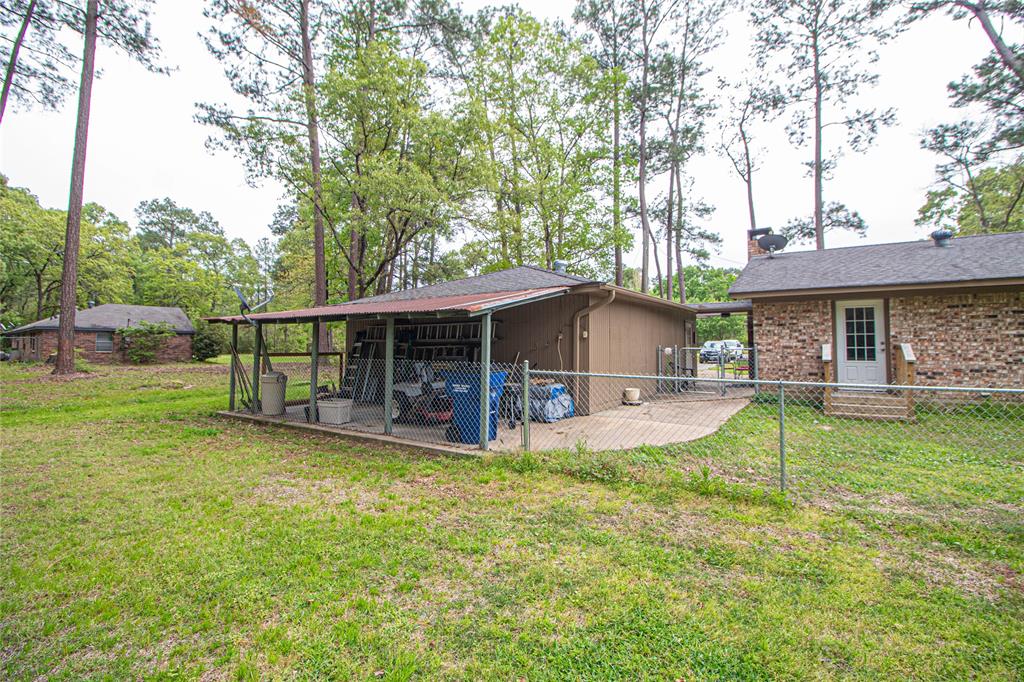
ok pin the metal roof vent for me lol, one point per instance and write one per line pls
(560, 266)
(941, 237)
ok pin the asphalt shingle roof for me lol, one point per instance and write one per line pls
(113, 316)
(513, 279)
(966, 259)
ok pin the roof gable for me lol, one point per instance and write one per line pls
(976, 259)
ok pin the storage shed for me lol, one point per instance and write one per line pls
(551, 319)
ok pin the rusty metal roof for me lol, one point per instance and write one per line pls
(465, 303)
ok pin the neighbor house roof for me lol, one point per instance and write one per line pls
(113, 316)
(982, 259)
(490, 291)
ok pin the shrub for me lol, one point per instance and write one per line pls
(209, 341)
(141, 342)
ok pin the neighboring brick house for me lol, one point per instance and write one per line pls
(96, 334)
(958, 303)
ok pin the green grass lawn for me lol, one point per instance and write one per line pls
(142, 537)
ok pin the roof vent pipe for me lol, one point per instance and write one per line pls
(941, 237)
(560, 266)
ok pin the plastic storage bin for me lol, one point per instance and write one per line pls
(464, 389)
(334, 410)
(272, 390)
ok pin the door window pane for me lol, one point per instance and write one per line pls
(860, 334)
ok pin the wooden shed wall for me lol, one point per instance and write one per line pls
(623, 338)
(532, 330)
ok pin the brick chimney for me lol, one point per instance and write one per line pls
(752, 236)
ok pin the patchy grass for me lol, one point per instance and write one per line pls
(143, 538)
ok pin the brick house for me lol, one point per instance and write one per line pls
(96, 334)
(953, 307)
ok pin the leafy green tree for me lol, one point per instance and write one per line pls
(708, 285)
(539, 99)
(164, 224)
(209, 341)
(400, 172)
(32, 255)
(991, 200)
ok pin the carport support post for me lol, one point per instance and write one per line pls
(526, 406)
(231, 376)
(485, 381)
(257, 355)
(314, 367)
(389, 373)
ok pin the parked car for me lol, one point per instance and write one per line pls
(710, 351)
(733, 350)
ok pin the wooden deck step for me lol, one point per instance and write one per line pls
(870, 405)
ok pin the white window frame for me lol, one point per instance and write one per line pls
(105, 350)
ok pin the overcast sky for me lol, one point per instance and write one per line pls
(143, 142)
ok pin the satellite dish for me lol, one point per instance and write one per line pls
(244, 306)
(772, 243)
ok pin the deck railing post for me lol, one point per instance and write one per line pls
(314, 369)
(232, 376)
(257, 356)
(782, 437)
(389, 374)
(485, 381)
(526, 405)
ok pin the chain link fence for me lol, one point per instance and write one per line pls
(797, 436)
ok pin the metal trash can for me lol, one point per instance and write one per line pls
(272, 390)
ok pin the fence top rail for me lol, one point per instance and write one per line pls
(766, 382)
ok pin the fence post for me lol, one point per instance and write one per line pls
(232, 379)
(782, 437)
(660, 370)
(526, 405)
(389, 373)
(314, 368)
(721, 369)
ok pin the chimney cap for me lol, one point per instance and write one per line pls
(941, 236)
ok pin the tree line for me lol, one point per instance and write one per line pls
(419, 142)
(171, 256)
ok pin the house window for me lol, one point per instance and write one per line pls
(104, 342)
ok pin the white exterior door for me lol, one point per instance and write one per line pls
(860, 342)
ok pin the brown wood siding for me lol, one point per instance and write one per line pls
(623, 338)
(532, 332)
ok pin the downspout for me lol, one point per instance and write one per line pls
(576, 327)
(576, 346)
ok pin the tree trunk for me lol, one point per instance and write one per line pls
(617, 180)
(645, 226)
(12, 64)
(69, 276)
(819, 227)
(679, 236)
(749, 169)
(669, 226)
(1006, 54)
(313, 133)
